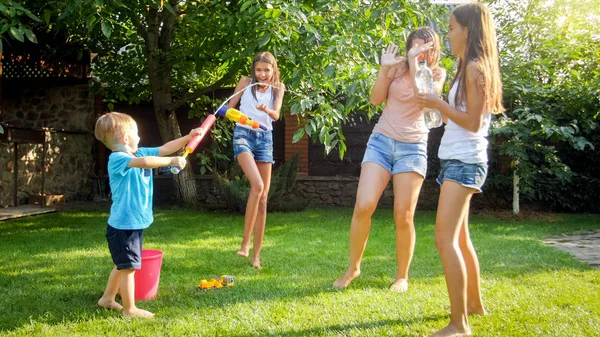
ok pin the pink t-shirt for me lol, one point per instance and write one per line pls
(402, 118)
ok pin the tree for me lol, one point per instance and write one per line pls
(551, 74)
(13, 22)
(175, 52)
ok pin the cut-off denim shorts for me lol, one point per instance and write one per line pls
(468, 175)
(259, 143)
(395, 156)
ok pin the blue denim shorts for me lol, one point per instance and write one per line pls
(259, 143)
(396, 157)
(468, 175)
(125, 247)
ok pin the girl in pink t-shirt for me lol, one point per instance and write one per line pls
(396, 149)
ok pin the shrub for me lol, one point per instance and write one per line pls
(236, 189)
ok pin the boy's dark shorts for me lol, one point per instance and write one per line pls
(125, 247)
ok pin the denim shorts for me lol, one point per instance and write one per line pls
(125, 247)
(395, 156)
(468, 175)
(259, 143)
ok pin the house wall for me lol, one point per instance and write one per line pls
(68, 113)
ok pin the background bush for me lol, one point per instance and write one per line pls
(236, 189)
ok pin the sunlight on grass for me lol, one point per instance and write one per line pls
(55, 268)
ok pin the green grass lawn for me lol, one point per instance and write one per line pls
(53, 269)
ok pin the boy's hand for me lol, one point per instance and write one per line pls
(197, 131)
(179, 162)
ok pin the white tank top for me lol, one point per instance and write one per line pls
(461, 144)
(248, 106)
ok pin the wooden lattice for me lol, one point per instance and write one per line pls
(23, 67)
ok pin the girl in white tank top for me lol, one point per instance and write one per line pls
(253, 148)
(476, 91)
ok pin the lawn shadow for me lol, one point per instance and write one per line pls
(343, 329)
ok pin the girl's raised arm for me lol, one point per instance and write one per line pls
(242, 83)
(389, 62)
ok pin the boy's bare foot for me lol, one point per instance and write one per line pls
(138, 313)
(346, 278)
(256, 264)
(244, 251)
(401, 285)
(476, 310)
(452, 331)
(108, 303)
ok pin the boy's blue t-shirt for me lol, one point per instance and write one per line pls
(132, 191)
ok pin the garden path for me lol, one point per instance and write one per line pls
(585, 246)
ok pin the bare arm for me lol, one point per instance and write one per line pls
(150, 162)
(242, 84)
(390, 64)
(413, 64)
(380, 88)
(439, 77)
(275, 112)
(177, 144)
(473, 118)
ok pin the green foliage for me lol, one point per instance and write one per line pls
(328, 51)
(551, 76)
(14, 19)
(217, 156)
(236, 189)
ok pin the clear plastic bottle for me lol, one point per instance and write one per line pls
(424, 80)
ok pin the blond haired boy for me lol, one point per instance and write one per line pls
(130, 175)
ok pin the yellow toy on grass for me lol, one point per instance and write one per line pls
(216, 282)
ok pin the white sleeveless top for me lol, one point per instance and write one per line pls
(248, 106)
(461, 144)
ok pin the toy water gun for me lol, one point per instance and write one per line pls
(191, 145)
(216, 282)
(229, 113)
(239, 117)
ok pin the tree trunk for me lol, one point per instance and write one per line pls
(158, 40)
(184, 182)
(515, 191)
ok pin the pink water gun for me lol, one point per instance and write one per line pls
(229, 113)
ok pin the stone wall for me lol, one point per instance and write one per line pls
(68, 113)
(322, 191)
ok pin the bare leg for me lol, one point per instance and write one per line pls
(452, 207)
(256, 189)
(110, 293)
(406, 193)
(474, 302)
(372, 182)
(261, 217)
(128, 295)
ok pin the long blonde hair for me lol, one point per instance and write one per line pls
(483, 51)
(266, 57)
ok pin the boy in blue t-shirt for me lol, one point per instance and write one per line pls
(130, 175)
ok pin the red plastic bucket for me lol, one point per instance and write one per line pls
(147, 278)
